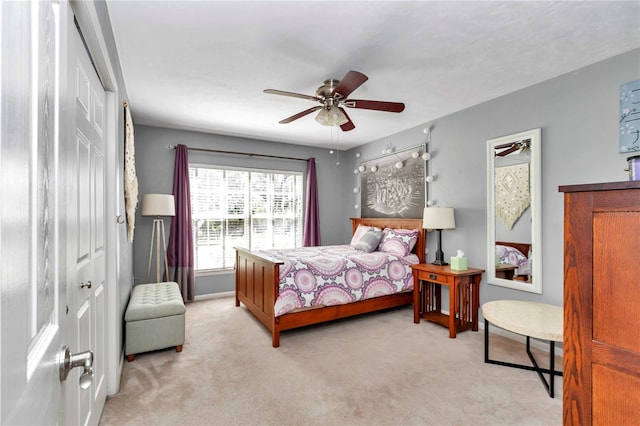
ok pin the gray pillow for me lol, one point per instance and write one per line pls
(369, 241)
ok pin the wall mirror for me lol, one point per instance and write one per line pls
(514, 248)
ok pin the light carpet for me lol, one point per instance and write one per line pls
(376, 369)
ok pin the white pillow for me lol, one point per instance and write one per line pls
(369, 241)
(360, 231)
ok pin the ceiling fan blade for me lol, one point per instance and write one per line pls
(514, 148)
(505, 145)
(349, 83)
(293, 95)
(349, 124)
(300, 114)
(375, 105)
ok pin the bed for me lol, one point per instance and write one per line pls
(258, 285)
(517, 255)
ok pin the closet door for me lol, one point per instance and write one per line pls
(86, 246)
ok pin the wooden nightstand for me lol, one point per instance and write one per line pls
(464, 296)
(505, 271)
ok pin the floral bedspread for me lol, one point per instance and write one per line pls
(512, 256)
(335, 275)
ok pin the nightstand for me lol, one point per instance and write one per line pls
(505, 271)
(464, 296)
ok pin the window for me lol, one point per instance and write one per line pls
(256, 209)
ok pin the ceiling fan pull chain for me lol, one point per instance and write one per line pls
(337, 143)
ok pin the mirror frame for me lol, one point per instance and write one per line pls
(536, 216)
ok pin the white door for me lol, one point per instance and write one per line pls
(52, 235)
(33, 289)
(86, 267)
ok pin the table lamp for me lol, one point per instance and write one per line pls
(438, 218)
(158, 205)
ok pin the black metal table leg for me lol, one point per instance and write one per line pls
(551, 370)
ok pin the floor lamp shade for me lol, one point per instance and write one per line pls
(158, 205)
(439, 218)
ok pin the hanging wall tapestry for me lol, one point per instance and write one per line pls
(512, 192)
(392, 191)
(130, 177)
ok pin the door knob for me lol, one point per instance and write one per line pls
(69, 361)
(87, 284)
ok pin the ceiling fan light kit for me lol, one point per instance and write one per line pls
(333, 95)
(331, 117)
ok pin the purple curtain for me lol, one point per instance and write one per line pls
(311, 215)
(180, 250)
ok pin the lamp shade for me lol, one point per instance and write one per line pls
(438, 218)
(158, 205)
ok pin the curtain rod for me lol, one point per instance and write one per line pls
(240, 153)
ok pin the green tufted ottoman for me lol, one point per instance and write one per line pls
(154, 319)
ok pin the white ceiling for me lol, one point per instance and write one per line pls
(202, 65)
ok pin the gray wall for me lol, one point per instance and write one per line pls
(578, 113)
(155, 163)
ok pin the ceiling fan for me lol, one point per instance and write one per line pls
(510, 147)
(333, 96)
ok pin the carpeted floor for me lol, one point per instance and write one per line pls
(377, 369)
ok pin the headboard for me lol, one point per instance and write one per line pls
(521, 247)
(395, 223)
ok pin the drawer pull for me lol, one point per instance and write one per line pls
(433, 277)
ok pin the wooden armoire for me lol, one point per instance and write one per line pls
(601, 383)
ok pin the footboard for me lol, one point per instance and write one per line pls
(257, 284)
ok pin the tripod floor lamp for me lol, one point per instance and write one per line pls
(439, 218)
(158, 205)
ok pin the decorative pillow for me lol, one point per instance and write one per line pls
(510, 256)
(398, 241)
(360, 231)
(369, 241)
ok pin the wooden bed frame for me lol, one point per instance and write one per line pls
(258, 283)
(522, 248)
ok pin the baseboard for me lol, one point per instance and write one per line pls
(213, 295)
(118, 375)
(120, 369)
